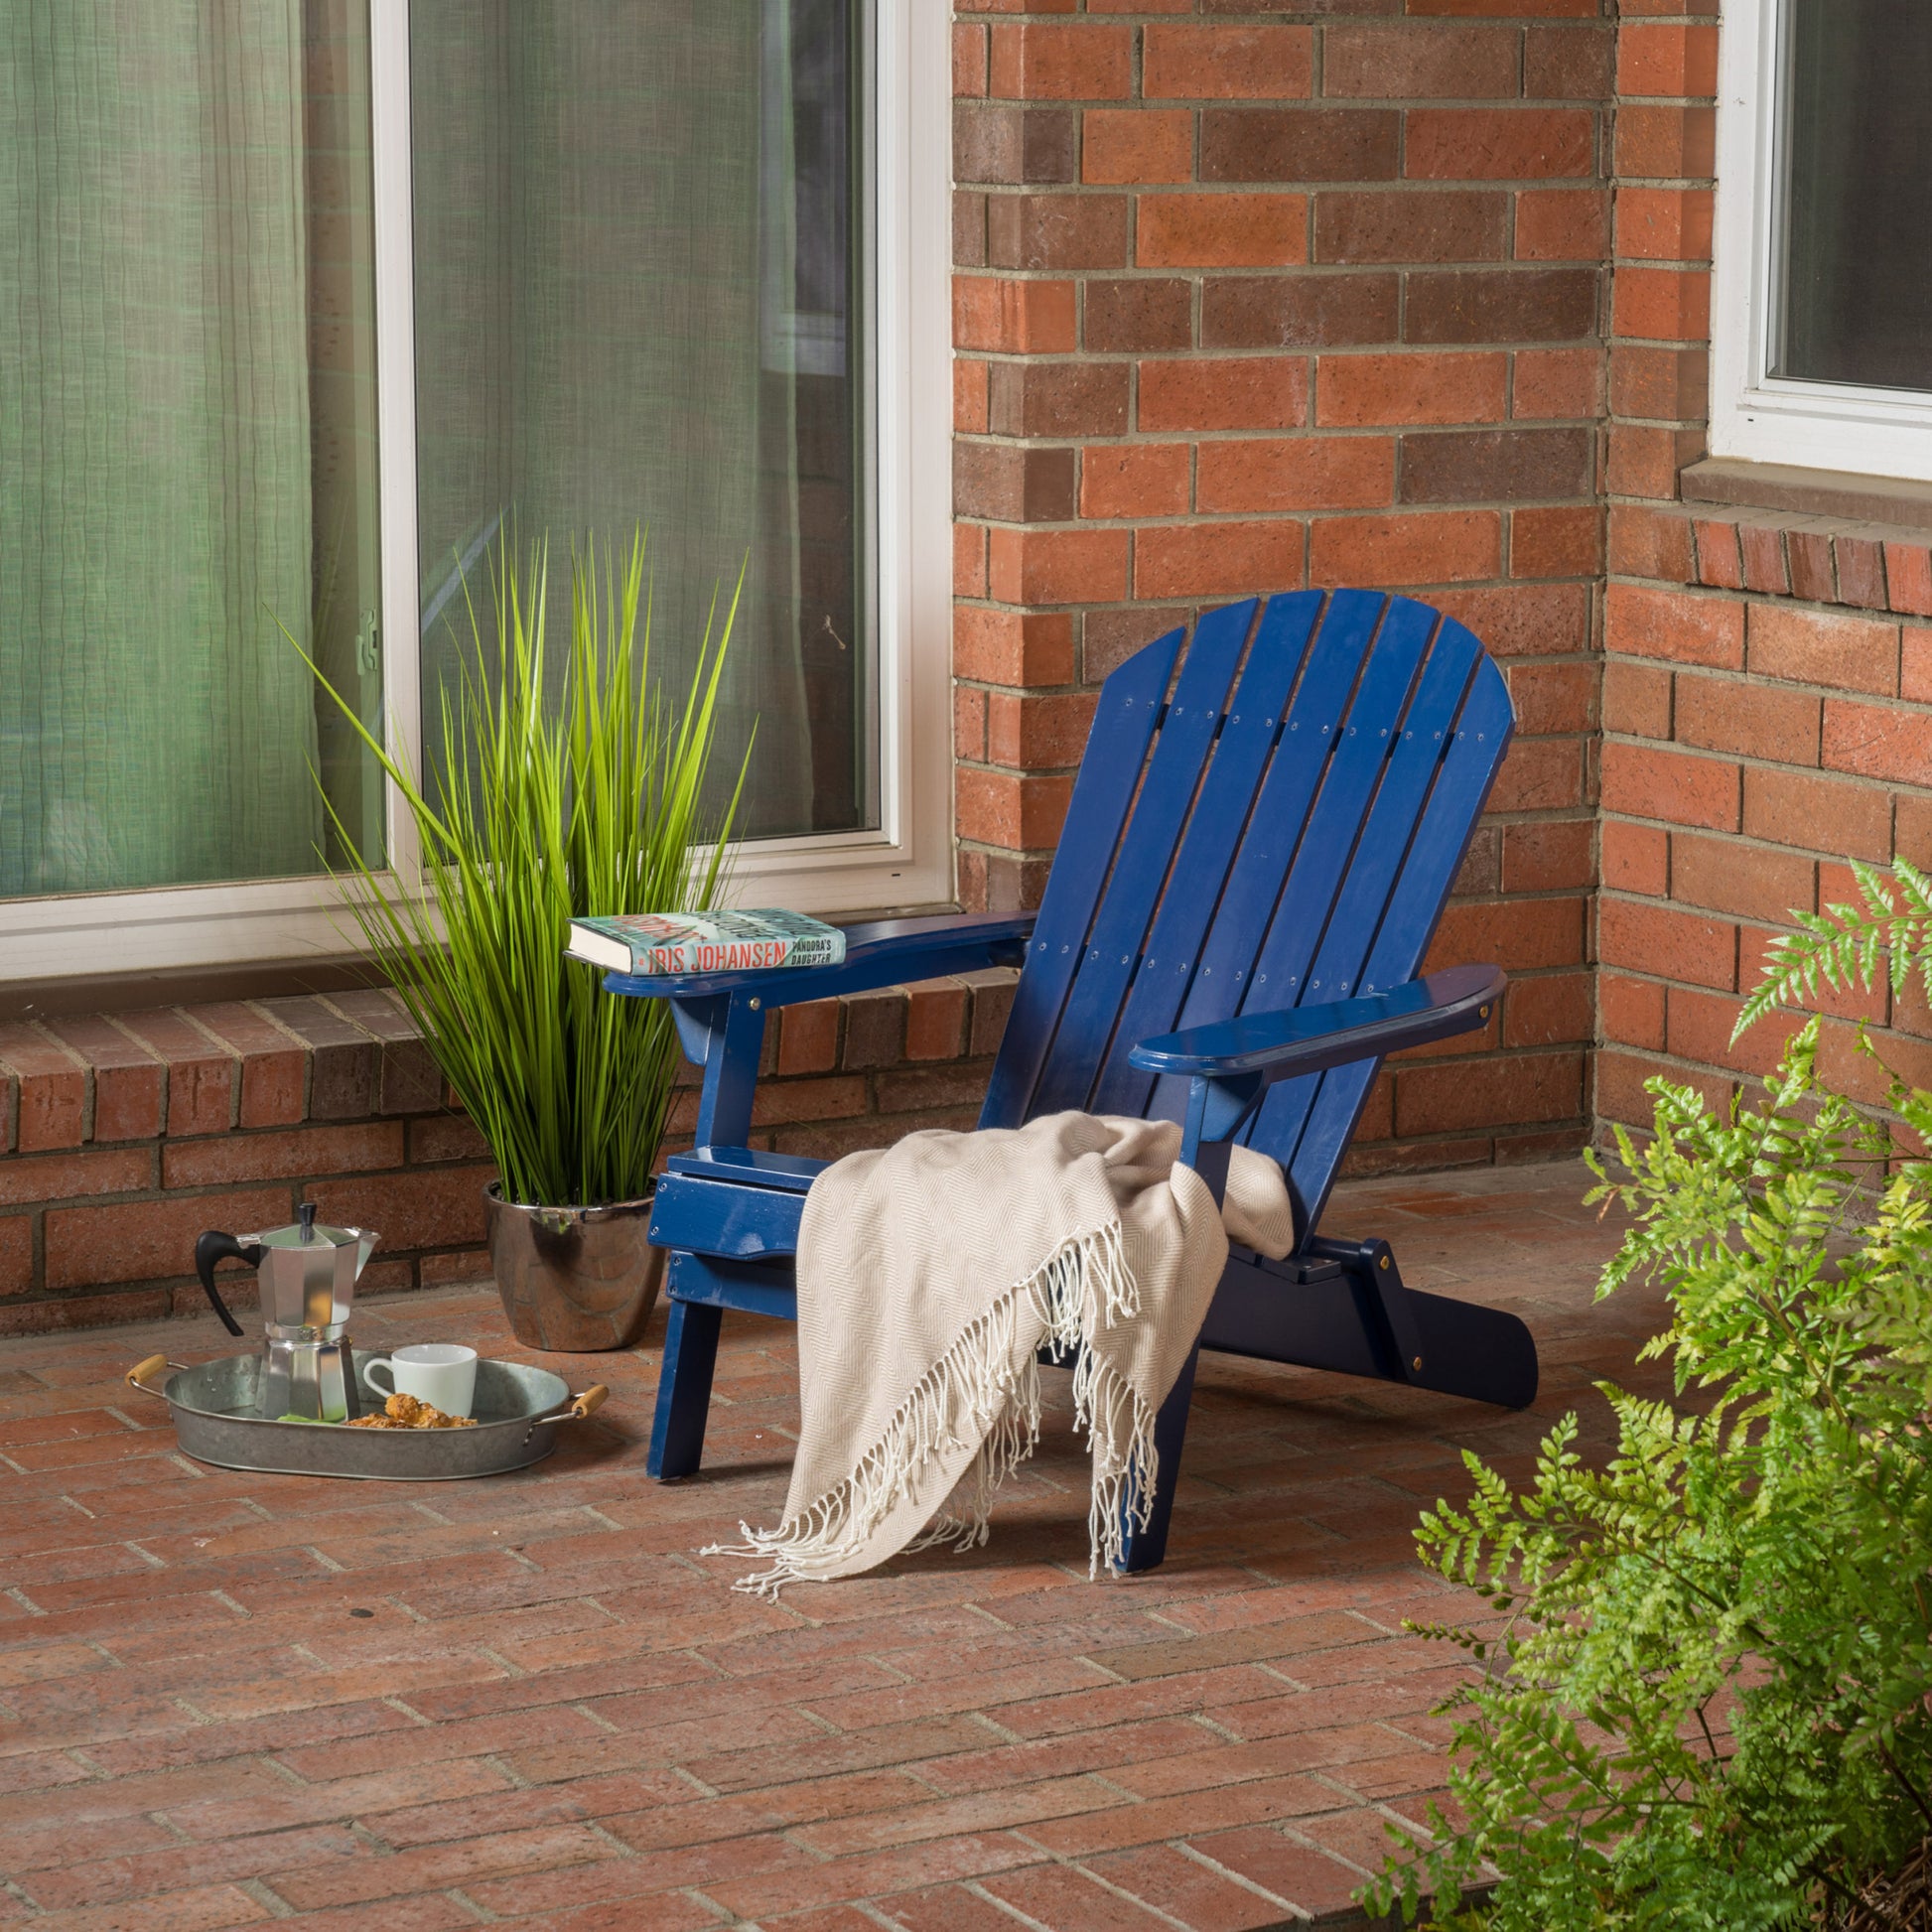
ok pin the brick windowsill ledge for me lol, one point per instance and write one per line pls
(123, 1134)
(1839, 495)
(1814, 558)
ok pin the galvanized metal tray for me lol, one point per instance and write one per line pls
(518, 1412)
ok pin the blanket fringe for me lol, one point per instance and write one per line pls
(986, 1387)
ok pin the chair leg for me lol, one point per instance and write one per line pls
(1455, 1347)
(1357, 1317)
(1143, 1549)
(683, 1390)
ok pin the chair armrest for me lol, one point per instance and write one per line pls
(882, 952)
(1229, 1066)
(720, 1016)
(1305, 1040)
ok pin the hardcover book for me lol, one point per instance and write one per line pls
(668, 945)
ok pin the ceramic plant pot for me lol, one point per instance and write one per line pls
(575, 1280)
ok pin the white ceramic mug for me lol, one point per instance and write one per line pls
(441, 1373)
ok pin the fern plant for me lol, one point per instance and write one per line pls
(1845, 944)
(1702, 1697)
(550, 809)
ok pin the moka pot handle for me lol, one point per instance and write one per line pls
(215, 1246)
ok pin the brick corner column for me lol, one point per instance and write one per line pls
(1248, 300)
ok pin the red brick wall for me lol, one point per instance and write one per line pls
(1253, 296)
(122, 1138)
(1395, 292)
(1765, 674)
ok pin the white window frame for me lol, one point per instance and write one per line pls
(1754, 415)
(907, 862)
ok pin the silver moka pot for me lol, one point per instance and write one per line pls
(307, 1278)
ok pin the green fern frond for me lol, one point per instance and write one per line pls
(1888, 930)
(1705, 1706)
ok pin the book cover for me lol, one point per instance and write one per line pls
(669, 946)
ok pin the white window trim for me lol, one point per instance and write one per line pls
(1755, 415)
(907, 862)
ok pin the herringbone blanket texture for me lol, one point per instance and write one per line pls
(929, 1276)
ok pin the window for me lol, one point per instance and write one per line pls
(320, 301)
(1822, 333)
(188, 417)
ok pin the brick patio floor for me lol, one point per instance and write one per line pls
(226, 1701)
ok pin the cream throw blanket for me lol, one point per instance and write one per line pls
(929, 1276)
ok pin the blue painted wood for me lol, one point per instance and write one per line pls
(1473, 756)
(697, 1021)
(750, 1166)
(1216, 1112)
(1281, 975)
(879, 953)
(1296, 806)
(1481, 1354)
(1416, 744)
(699, 1289)
(731, 1070)
(1193, 983)
(1327, 1324)
(683, 1390)
(1454, 1348)
(703, 1281)
(1257, 713)
(720, 1217)
(1147, 844)
(1374, 1264)
(1124, 725)
(1143, 1546)
(1300, 1039)
(1281, 839)
(1416, 749)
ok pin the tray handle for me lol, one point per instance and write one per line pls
(587, 1404)
(574, 1410)
(137, 1376)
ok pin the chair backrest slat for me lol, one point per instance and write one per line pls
(1280, 975)
(1416, 745)
(1282, 838)
(1228, 799)
(1474, 752)
(1189, 731)
(1223, 967)
(1124, 725)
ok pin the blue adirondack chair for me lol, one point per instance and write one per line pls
(1254, 861)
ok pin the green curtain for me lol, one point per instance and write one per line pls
(604, 240)
(154, 491)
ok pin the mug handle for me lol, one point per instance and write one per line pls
(368, 1375)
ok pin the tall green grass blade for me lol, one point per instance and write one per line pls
(595, 806)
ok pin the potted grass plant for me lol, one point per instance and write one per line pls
(552, 808)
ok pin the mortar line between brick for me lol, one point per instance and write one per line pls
(1207, 1862)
